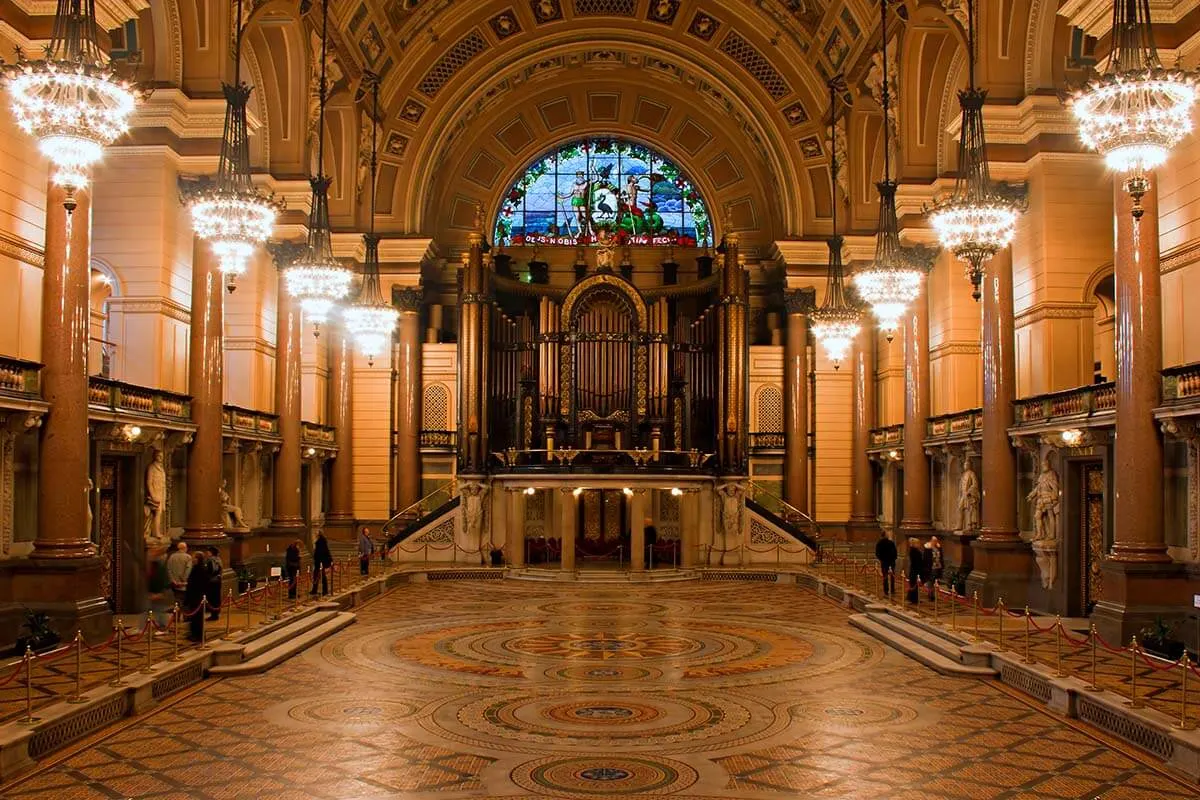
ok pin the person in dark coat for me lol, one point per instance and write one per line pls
(291, 567)
(215, 569)
(322, 562)
(193, 595)
(885, 554)
(916, 566)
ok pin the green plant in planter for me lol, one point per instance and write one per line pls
(40, 635)
(1159, 638)
(246, 579)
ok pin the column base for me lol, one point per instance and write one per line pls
(1002, 568)
(921, 528)
(339, 526)
(204, 533)
(957, 548)
(862, 530)
(63, 549)
(287, 526)
(1136, 593)
(68, 591)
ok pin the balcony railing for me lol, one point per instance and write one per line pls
(20, 377)
(320, 436)
(249, 423)
(959, 425)
(1181, 384)
(1069, 405)
(766, 440)
(439, 440)
(125, 398)
(102, 357)
(887, 438)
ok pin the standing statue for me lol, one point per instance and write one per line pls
(234, 518)
(87, 496)
(731, 508)
(604, 251)
(156, 496)
(473, 494)
(968, 498)
(1045, 499)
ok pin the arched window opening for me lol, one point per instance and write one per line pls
(573, 194)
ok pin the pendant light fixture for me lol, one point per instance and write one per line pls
(317, 279)
(371, 320)
(229, 213)
(836, 323)
(978, 219)
(71, 100)
(1135, 111)
(890, 283)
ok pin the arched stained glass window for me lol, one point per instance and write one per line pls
(569, 196)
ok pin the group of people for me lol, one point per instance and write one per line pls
(189, 579)
(924, 564)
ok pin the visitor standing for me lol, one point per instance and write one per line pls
(215, 570)
(322, 562)
(179, 566)
(934, 565)
(291, 567)
(365, 548)
(193, 596)
(916, 566)
(885, 554)
(158, 587)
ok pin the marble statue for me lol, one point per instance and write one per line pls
(156, 495)
(1045, 498)
(731, 508)
(234, 519)
(968, 499)
(87, 494)
(606, 244)
(473, 494)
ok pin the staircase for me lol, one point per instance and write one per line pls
(276, 642)
(945, 651)
(613, 577)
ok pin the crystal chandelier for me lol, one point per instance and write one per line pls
(977, 220)
(317, 279)
(835, 324)
(71, 100)
(890, 283)
(369, 319)
(229, 213)
(1136, 110)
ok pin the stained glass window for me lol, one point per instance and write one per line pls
(571, 195)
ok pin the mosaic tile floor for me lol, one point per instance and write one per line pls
(491, 689)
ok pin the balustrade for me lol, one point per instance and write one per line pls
(1068, 405)
(125, 398)
(19, 377)
(1181, 383)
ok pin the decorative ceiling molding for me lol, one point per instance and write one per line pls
(1095, 16)
(109, 13)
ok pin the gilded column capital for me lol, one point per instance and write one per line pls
(285, 253)
(921, 256)
(800, 301)
(408, 299)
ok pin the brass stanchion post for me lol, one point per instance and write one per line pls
(1183, 723)
(279, 597)
(975, 602)
(1000, 612)
(148, 635)
(954, 610)
(1095, 687)
(77, 697)
(1028, 625)
(1134, 702)
(29, 658)
(937, 590)
(203, 612)
(1058, 647)
(176, 614)
(119, 629)
(228, 614)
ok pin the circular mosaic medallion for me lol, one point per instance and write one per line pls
(602, 714)
(602, 608)
(353, 713)
(611, 672)
(594, 776)
(854, 712)
(603, 646)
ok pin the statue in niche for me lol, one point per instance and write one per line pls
(1045, 498)
(968, 498)
(155, 500)
(87, 495)
(473, 494)
(731, 508)
(234, 518)
(606, 245)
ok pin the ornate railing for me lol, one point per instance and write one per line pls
(805, 526)
(314, 435)
(885, 438)
(415, 512)
(20, 377)
(1069, 404)
(439, 440)
(766, 440)
(235, 420)
(108, 356)
(1181, 383)
(573, 459)
(959, 425)
(128, 399)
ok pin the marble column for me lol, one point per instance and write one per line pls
(63, 468)
(339, 519)
(916, 519)
(1002, 562)
(205, 518)
(471, 389)
(516, 528)
(409, 388)
(689, 522)
(1140, 580)
(287, 518)
(568, 519)
(637, 530)
(795, 403)
(862, 525)
(732, 360)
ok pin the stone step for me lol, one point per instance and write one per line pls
(917, 651)
(289, 641)
(925, 638)
(615, 577)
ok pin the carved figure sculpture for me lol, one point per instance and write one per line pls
(156, 495)
(1045, 499)
(87, 494)
(233, 514)
(473, 494)
(731, 508)
(968, 498)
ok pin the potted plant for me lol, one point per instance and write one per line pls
(246, 580)
(1159, 639)
(40, 637)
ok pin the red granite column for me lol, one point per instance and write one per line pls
(63, 468)
(287, 517)
(916, 519)
(339, 519)
(409, 389)
(205, 517)
(862, 525)
(1002, 562)
(795, 404)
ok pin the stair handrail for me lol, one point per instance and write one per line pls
(449, 489)
(790, 510)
